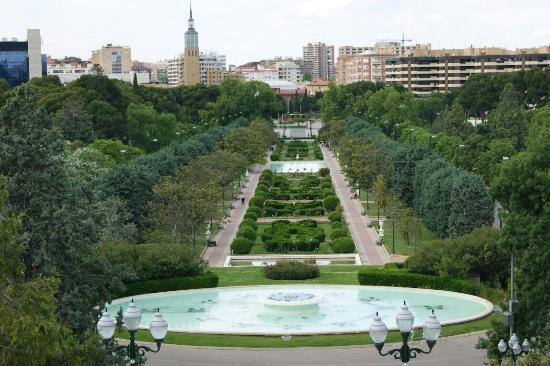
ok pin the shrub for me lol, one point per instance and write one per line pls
(256, 202)
(337, 225)
(255, 210)
(247, 232)
(251, 216)
(339, 233)
(404, 278)
(291, 271)
(323, 172)
(326, 185)
(155, 261)
(275, 156)
(250, 223)
(205, 280)
(330, 202)
(241, 245)
(343, 245)
(335, 216)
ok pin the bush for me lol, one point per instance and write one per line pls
(330, 202)
(251, 216)
(205, 280)
(343, 245)
(241, 245)
(255, 210)
(155, 261)
(323, 172)
(335, 216)
(339, 233)
(250, 223)
(275, 156)
(247, 232)
(404, 278)
(337, 225)
(291, 271)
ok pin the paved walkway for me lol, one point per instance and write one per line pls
(365, 239)
(215, 256)
(452, 351)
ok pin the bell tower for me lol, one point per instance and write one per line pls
(191, 66)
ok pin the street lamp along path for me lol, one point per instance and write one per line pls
(405, 321)
(132, 318)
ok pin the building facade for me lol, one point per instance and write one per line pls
(361, 67)
(319, 60)
(191, 66)
(289, 71)
(21, 61)
(174, 71)
(443, 70)
(213, 64)
(113, 59)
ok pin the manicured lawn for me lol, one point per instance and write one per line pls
(302, 341)
(401, 246)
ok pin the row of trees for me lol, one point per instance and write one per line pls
(450, 201)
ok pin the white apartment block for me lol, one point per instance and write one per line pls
(289, 71)
(70, 72)
(361, 67)
(174, 71)
(261, 74)
(319, 60)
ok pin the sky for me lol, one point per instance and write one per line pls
(247, 30)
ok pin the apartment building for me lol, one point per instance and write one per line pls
(214, 64)
(174, 70)
(113, 59)
(361, 67)
(289, 71)
(442, 70)
(319, 60)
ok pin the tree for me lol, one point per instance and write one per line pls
(58, 225)
(251, 142)
(306, 76)
(508, 120)
(148, 129)
(108, 122)
(454, 121)
(135, 82)
(116, 150)
(185, 202)
(75, 123)
(3, 86)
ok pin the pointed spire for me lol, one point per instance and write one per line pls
(190, 10)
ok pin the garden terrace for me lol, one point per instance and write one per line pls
(303, 149)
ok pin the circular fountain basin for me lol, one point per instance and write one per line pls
(300, 309)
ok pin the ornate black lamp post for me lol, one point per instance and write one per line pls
(405, 321)
(513, 348)
(132, 318)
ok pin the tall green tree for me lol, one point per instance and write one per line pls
(75, 123)
(508, 120)
(58, 225)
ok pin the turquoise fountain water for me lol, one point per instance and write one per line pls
(300, 309)
(297, 166)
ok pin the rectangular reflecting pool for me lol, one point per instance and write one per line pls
(297, 166)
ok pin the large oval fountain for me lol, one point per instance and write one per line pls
(300, 309)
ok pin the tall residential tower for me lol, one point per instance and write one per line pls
(191, 67)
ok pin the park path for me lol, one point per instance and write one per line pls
(451, 351)
(216, 256)
(364, 238)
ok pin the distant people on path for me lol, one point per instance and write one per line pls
(242, 200)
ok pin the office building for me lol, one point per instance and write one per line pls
(442, 70)
(191, 66)
(319, 60)
(113, 59)
(21, 61)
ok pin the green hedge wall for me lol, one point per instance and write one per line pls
(205, 280)
(403, 278)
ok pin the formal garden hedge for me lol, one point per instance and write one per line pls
(288, 150)
(404, 278)
(291, 270)
(204, 280)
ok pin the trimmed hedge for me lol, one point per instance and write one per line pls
(323, 172)
(247, 232)
(404, 278)
(205, 280)
(343, 245)
(330, 202)
(241, 245)
(339, 233)
(335, 216)
(291, 271)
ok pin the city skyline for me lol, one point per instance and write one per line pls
(246, 30)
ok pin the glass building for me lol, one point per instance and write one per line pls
(20, 61)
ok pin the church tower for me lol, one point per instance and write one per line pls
(191, 66)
